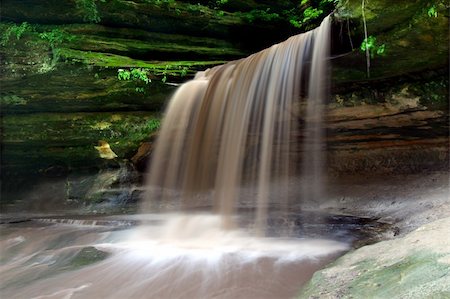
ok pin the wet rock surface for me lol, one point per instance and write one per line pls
(414, 266)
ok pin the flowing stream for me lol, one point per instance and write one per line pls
(220, 199)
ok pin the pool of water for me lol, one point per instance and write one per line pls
(169, 255)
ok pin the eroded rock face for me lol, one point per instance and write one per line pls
(415, 266)
(414, 40)
(399, 128)
(58, 99)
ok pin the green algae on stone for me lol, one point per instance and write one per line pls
(429, 93)
(419, 275)
(112, 60)
(87, 256)
(38, 141)
(414, 266)
(414, 42)
(75, 88)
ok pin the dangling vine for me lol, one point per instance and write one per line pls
(369, 44)
(366, 39)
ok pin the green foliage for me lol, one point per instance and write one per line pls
(259, 15)
(432, 11)
(135, 74)
(140, 74)
(153, 124)
(53, 38)
(164, 73)
(129, 129)
(184, 71)
(12, 100)
(197, 8)
(89, 10)
(308, 12)
(14, 30)
(56, 37)
(123, 75)
(162, 3)
(311, 13)
(370, 44)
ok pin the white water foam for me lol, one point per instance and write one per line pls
(187, 256)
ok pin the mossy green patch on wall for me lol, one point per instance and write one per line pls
(413, 41)
(38, 141)
(112, 60)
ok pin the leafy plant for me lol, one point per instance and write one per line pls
(184, 71)
(56, 37)
(153, 124)
(140, 74)
(123, 74)
(197, 8)
(370, 44)
(89, 10)
(432, 11)
(164, 78)
(260, 16)
(309, 11)
(135, 74)
(14, 30)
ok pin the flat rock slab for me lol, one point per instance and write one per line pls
(414, 266)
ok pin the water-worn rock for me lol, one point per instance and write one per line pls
(414, 266)
(61, 94)
(399, 127)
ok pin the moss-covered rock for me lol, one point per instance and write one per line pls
(415, 266)
(61, 92)
(41, 140)
(87, 256)
(189, 18)
(413, 40)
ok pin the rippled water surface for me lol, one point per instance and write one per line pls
(173, 256)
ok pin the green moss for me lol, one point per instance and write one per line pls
(87, 256)
(37, 141)
(174, 68)
(433, 94)
(11, 30)
(137, 47)
(88, 9)
(417, 275)
(413, 41)
(12, 100)
(411, 272)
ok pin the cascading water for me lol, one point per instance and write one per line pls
(228, 142)
(232, 126)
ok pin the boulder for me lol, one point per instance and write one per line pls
(414, 266)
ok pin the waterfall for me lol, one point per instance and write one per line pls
(235, 125)
(231, 141)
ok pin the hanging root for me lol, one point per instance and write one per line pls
(366, 38)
